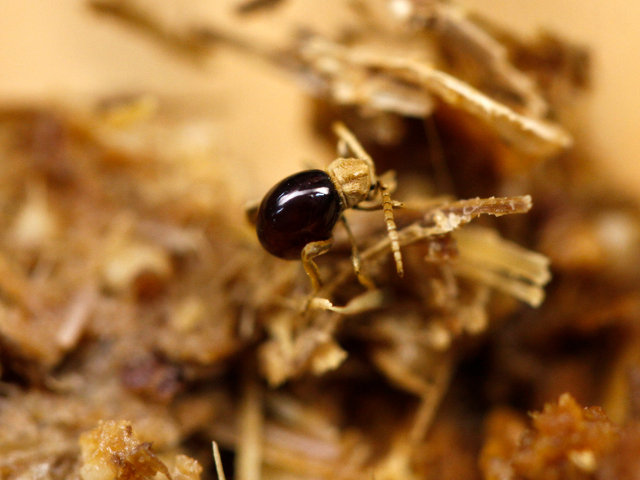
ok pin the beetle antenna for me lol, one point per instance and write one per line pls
(392, 230)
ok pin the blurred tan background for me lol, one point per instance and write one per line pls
(58, 51)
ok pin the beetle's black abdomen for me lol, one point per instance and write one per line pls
(302, 208)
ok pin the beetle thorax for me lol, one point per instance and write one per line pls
(353, 179)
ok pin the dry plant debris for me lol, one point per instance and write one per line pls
(566, 441)
(112, 451)
(134, 296)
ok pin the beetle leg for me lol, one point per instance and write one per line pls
(377, 206)
(309, 252)
(364, 280)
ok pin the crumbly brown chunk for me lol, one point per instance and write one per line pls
(565, 441)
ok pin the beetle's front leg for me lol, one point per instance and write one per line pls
(309, 252)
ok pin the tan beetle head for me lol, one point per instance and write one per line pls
(354, 179)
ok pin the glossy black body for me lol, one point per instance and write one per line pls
(301, 209)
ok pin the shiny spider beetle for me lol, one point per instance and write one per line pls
(296, 217)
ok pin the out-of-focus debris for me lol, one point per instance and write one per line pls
(190, 45)
(503, 265)
(138, 266)
(188, 314)
(504, 430)
(473, 53)
(186, 468)
(287, 355)
(249, 457)
(558, 65)
(14, 284)
(404, 364)
(29, 339)
(593, 240)
(35, 224)
(152, 378)
(127, 111)
(254, 6)
(77, 316)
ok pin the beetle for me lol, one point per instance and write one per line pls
(296, 217)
